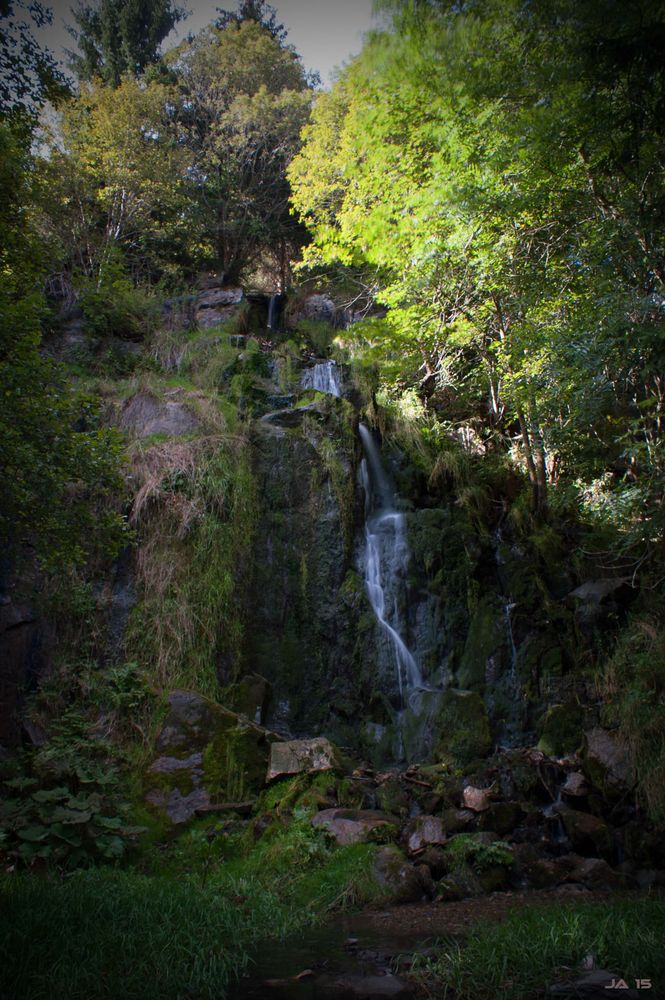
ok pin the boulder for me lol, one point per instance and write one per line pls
(356, 826)
(216, 305)
(502, 817)
(144, 415)
(295, 756)
(588, 834)
(477, 799)
(606, 763)
(208, 756)
(318, 307)
(425, 831)
(575, 785)
(561, 729)
(392, 797)
(399, 881)
(458, 820)
(251, 696)
(595, 873)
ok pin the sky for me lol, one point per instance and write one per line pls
(326, 33)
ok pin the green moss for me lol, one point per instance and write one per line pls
(486, 637)
(561, 729)
(463, 726)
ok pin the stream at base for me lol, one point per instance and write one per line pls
(351, 957)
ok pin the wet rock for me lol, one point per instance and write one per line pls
(595, 873)
(208, 755)
(502, 817)
(463, 726)
(392, 797)
(144, 415)
(606, 763)
(458, 820)
(424, 831)
(399, 880)
(295, 756)
(575, 785)
(534, 871)
(356, 826)
(459, 885)
(251, 696)
(561, 729)
(588, 834)
(293, 417)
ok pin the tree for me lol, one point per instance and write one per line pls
(245, 98)
(259, 11)
(116, 180)
(498, 164)
(116, 37)
(29, 75)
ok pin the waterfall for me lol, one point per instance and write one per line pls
(323, 377)
(273, 311)
(385, 562)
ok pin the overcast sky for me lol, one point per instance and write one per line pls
(325, 32)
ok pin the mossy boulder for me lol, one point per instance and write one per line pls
(251, 696)
(208, 756)
(463, 726)
(561, 730)
(398, 881)
(606, 763)
(484, 650)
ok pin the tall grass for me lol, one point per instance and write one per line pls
(537, 946)
(117, 934)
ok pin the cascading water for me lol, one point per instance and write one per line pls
(323, 377)
(273, 311)
(384, 563)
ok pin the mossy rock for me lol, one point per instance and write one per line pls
(209, 756)
(486, 638)
(463, 726)
(561, 730)
(251, 696)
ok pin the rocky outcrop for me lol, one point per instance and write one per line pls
(216, 303)
(295, 756)
(25, 643)
(356, 826)
(144, 414)
(209, 757)
(606, 763)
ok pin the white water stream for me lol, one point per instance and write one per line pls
(323, 377)
(385, 561)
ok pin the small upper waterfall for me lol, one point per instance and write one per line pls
(323, 377)
(273, 311)
(384, 563)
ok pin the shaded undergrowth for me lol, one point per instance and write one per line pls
(536, 946)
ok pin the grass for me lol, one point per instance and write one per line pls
(185, 932)
(537, 946)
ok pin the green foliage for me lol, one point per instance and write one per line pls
(532, 948)
(195, 513)
(114, 306)
(466, 850)
(632, 683)
(115, 37)
(494, 166)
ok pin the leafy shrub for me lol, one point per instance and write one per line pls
(464, 849)
(114, 306)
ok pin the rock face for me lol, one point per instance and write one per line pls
(463, 726)
(295, 756)
(215, 304)
(209, 756)
(606, 763)
(356, 826)
(306, 603)
(144, 415)
(24, 657)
